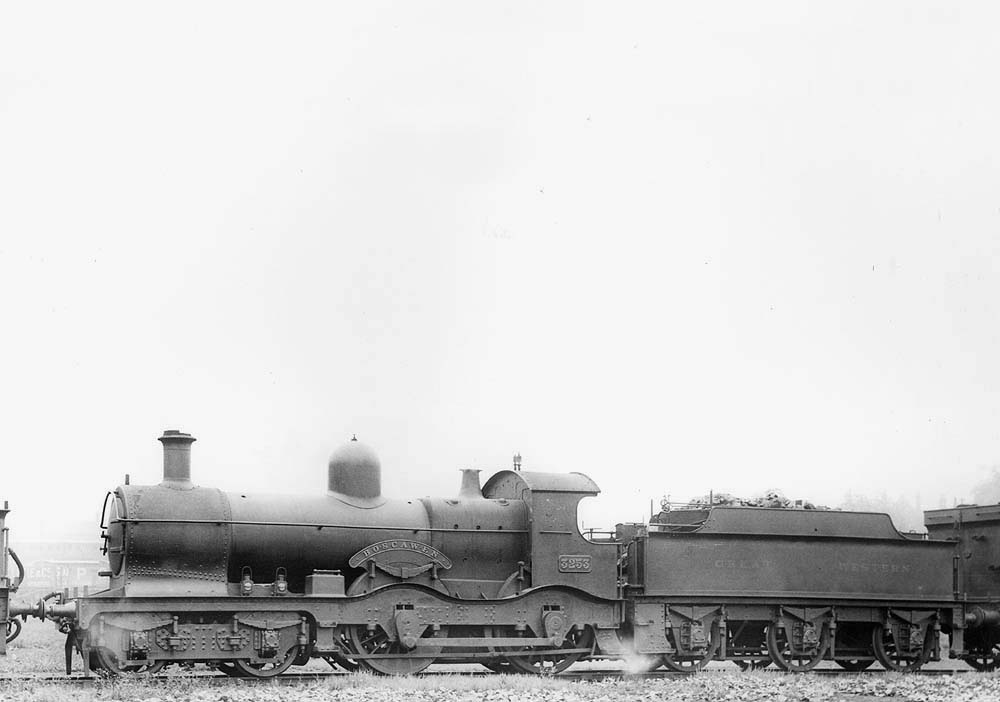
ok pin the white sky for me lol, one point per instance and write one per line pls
(674, 246)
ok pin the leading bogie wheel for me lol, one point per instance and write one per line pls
(268, 669)
(104, 661)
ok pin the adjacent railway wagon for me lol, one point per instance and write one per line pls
(975, 532)
(500, 574)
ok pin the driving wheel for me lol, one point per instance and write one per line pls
(393, 658)
(554, 659)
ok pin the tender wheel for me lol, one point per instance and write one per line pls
(104, 661)
(692, 664)
(554, 662)
(889, 655)
(378, 643)
(796, 654)
(686, 665)
(270, 669)
(856, 665)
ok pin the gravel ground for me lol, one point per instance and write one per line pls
(720, 687)
(39, 651)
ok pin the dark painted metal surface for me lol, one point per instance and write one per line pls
(559, 553)
(355, 474)
(170, 557)
(833, 560)
(765, 521)
(975, 529)
(257, 583)
(176, 458)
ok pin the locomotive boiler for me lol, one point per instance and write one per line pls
(198, 541)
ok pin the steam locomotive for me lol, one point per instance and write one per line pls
(500, 575)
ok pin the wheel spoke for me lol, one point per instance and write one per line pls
(105, 661)
(687, 662)
(796, 658)
(893, 656)
(267, 670)
(553, 662)
(378, 643)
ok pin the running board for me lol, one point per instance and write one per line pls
(519, 654)
(497, 642)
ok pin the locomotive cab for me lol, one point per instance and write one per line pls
(560, 555)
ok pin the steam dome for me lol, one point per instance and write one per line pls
(355, 471)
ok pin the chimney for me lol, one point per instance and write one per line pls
(470, 484)
(176, 459)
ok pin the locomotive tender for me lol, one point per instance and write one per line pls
(501, 575)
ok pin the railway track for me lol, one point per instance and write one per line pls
(210, 679)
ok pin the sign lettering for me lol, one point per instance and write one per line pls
(574, 564)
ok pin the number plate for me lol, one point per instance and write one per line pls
(574, 564)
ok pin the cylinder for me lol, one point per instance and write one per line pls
(176, 457)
